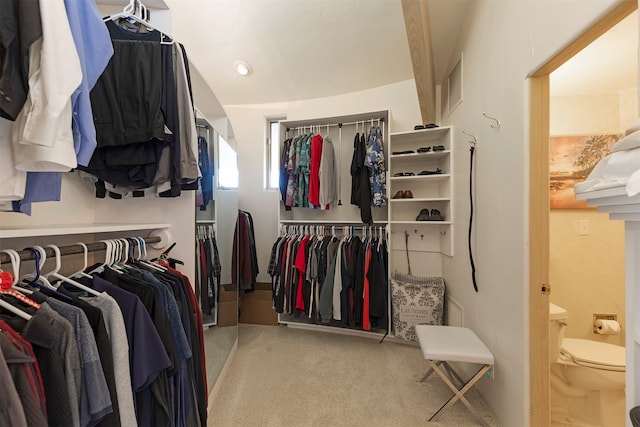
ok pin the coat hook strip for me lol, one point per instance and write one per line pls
(495, 125)
(472, 136)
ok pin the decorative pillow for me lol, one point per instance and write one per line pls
(629, 142)
(416, 301)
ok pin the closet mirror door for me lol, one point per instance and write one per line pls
(215, 213)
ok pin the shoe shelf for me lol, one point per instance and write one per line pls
(433, 191)
(420, 199)
(434, 177)
(412, 156)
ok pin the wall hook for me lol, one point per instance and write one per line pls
(495, 125)
(472, 136)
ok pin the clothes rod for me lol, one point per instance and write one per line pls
(381, 119)
(26, 255)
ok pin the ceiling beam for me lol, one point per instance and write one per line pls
(416, 21)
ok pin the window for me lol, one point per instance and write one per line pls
(272, 155)
(227, 165)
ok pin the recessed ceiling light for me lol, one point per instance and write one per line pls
(243, 68)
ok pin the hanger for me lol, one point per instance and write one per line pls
(81, 273)
(6, 287)
(35, 278)
(128, 13)
(107, 258)
(15, 264)
(143, 258)
(59, 276)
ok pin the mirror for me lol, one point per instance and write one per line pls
(215, 216)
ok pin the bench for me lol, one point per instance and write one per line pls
(443, 344)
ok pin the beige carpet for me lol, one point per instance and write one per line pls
(283, 376)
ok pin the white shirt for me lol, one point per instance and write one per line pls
(42, 136)
(12, 181)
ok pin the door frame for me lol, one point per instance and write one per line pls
(539, 287)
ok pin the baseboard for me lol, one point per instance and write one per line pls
(223, 373)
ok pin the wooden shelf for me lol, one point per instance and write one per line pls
(431, 155)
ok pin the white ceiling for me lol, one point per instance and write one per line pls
(303, 49)
(608, 65)
(298, 49)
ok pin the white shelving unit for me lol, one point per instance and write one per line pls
(433, 191)
(345, 214)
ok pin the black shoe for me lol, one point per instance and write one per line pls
(428, 172)
(435, 215)
(423, 215)
(423, 149)
(438, 148)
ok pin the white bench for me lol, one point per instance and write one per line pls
(443, 344)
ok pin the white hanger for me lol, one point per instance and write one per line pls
(107, 258)
(129, 14)
(143, 259)
(55, 274)
(15, 264)
(81, 272)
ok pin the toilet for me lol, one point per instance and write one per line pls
(587, 377)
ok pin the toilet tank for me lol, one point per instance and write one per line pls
(558, 317)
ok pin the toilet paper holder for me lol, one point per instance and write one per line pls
(598, 316)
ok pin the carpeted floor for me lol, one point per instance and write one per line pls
(283, 376)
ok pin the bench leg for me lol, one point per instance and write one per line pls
(458, 393)
(450, 370)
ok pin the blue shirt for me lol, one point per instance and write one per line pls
(40, 187)
(95, 49)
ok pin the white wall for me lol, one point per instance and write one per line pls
(249, 124)
(502, 43)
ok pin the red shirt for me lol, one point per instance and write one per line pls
(314, 176)
(301, 265)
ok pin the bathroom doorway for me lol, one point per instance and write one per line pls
(560, 237)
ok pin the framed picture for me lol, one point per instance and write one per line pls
(571, 159)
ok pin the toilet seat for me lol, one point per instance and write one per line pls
(595, 354)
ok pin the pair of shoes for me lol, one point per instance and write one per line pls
(427, 126)
(438, 148)
(403, 174)
(395, 153)
(425, 215)
(423, 149)
(428, 172)
(400, 194)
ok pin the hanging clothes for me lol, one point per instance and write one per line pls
(48, 95)
(360, 183)
(245, 256)
(132, 354)
(209, 270)
(149, 144)
(328, 175)
(314, 170)
(375, 162)
(204, 193)
(328, 279)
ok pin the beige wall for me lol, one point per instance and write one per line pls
(587, 272)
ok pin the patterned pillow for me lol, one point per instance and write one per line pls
(415, 301)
